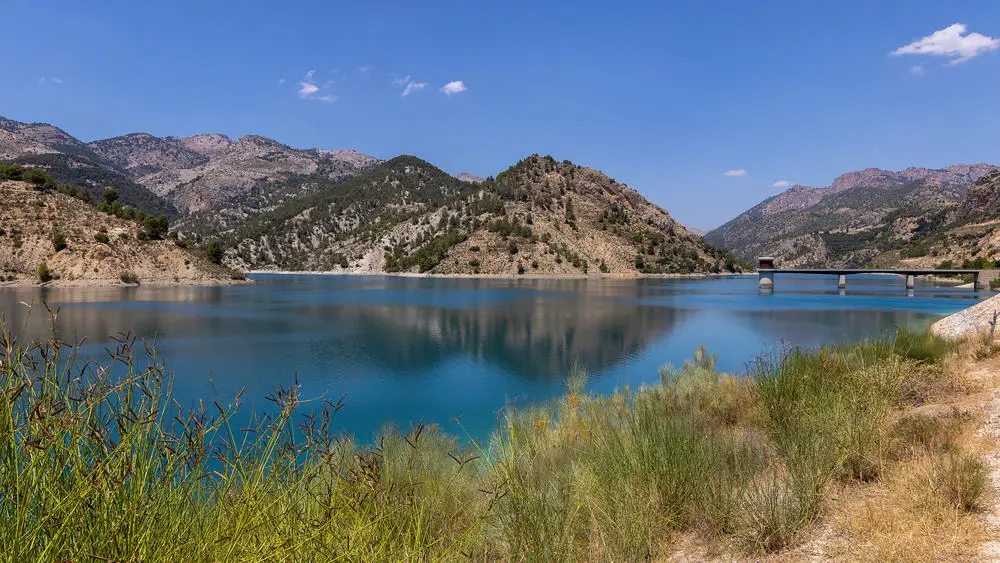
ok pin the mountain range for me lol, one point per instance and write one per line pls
(871, 217)
(275, 207)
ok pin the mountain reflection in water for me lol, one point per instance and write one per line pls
(403, 349)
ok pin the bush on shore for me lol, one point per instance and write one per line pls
(101, 463)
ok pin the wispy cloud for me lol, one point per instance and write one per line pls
(781, 184)
(454, 87)
(308, 90)
(281, 81)
(52, 79)
(735, 173)
(364, 70)
(408, 84)
(918, 70)
(953, 41)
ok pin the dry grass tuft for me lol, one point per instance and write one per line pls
(904, 518)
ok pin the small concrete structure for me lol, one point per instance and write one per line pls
(765, 270)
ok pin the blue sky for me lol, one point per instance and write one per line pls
(666, 97)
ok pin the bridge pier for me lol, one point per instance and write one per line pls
(910, 281)
(842, 281)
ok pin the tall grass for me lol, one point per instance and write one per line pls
(99, 461)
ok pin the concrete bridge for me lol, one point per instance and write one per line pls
(765, 270)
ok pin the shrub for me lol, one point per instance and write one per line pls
(520, 269)
(129, 278)
(37, 177)
(102, 238)
(44, 273)
(474, 263)
(59, 241)
(155, 228)
(962, 479)
(474, 248)
(534, 264)
(214, 251)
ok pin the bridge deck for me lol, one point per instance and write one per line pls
(850, 271)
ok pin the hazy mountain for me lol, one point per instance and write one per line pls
(538, 216)
(863, 218)
(211, 171)
(471, 178)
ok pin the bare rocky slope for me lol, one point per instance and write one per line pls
(100, 249)
(539, 216)
(211, 172)
(867, 218)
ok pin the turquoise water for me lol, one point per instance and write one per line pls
(455, 351)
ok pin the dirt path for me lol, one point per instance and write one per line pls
(988, 374)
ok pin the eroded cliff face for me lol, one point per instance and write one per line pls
(100, 249)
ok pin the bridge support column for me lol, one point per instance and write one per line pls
(766, 280)
(975, 281)
(910, 281)
(842, 281)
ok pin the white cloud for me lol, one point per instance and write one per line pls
(413, 86)
(952, 41)
(365, 69)
(308, 89)
(408, 84)
(918, 70)
(781, 184)
(735, 173)
(454, 87)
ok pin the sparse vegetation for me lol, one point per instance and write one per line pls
(59, 241)
(129, 278)
(43, 272)
(419, 216)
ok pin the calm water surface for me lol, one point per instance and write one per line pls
(455, 351)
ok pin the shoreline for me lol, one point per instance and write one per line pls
(501, 276)
(115, 283)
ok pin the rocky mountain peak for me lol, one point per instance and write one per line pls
(207, 144)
